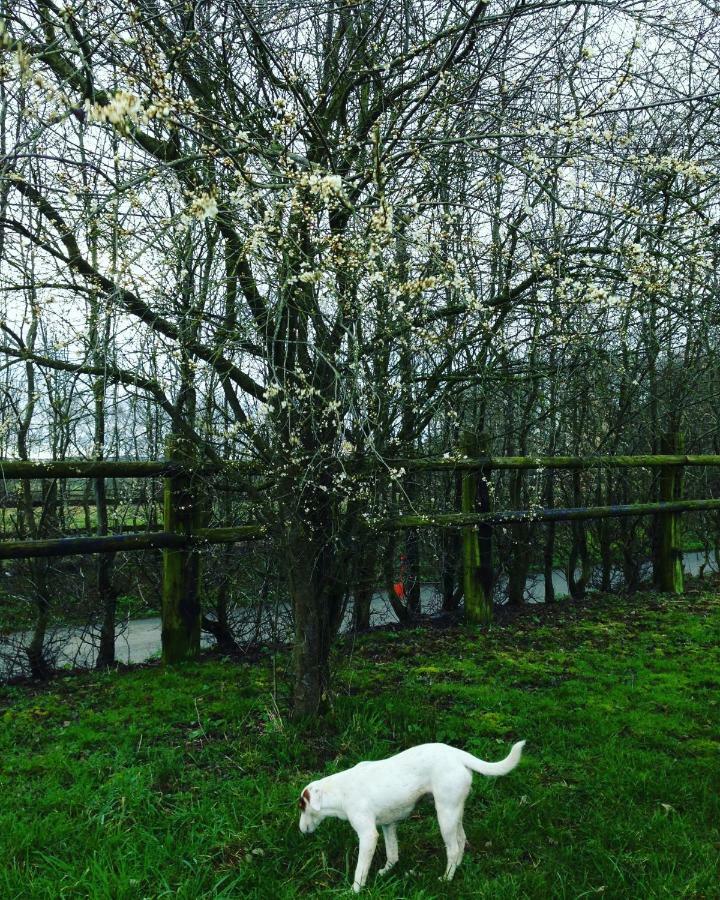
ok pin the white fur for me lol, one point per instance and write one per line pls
(384, 792)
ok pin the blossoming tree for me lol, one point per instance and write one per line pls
(326, 219)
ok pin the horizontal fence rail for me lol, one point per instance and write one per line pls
(462, 520)
(112, 468)
(117, 543)
(160, 540)
(82, 468)
(551, 462)
(78, 501)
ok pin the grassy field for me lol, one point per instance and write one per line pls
(184, 783)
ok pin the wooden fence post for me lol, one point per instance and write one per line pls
(668, 564)
(476, 548)
(181, 612)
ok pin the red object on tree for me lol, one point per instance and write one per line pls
(399, 586)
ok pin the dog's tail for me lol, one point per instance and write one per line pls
(494, 768)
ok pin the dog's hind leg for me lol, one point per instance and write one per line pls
(448, 821)
(450, 795)
(462, 840)
(391, 847)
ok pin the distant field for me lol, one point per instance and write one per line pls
(184, 783)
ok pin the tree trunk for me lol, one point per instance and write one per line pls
(668, 562)
(389, 578)
(605, 534)
(108, 598)
(630, 565)
(412, 571)
(519, 564)
(476, 541)
(549, 547)
(605, 542)
(39, 571)
(364, 589)
(219, 627)
(578, 553)
(450, 552)
(35, 651)
(181, 610)
(311, 654)
(450, 549)
(317, 599)
(105, 587)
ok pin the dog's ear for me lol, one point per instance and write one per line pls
(316, 799)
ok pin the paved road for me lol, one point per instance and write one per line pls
(139, 639)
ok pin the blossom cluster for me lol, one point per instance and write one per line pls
(324, 186)
(382, 218)
(123, 107)
(674, 164)
(201, 207)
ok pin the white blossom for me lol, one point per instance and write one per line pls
(324, 186)
(382, 219)
(122, 108)
(202, 206)
(310, 277)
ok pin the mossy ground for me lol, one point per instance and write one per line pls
(184, 782)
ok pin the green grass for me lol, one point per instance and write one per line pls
(184, 783)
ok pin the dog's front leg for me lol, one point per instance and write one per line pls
(391, 847)
(367, 832)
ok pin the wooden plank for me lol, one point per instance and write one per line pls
(158, 539)
(553, 462)
(17, 469)
(234, 535)
(70, 546)
(80, 468)
(118, 543)
(460, 520)
(108, 468)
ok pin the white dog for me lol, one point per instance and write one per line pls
(386, 791)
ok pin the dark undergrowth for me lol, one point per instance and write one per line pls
(183, 783)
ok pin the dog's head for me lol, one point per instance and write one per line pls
(310, 804)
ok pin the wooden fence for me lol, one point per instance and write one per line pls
(184, 532)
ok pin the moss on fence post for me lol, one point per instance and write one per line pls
(668, 567)
(183, 513)
(477, 567)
